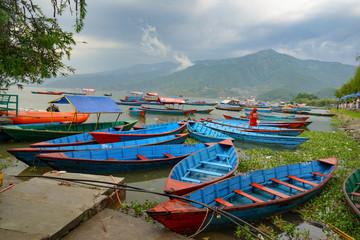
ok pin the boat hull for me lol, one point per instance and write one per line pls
(351, 187)
(30, 117)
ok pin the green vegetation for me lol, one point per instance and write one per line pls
(312, 100)
(138, 209)
(350, 87)
(330, 206)
(32, 45)
(347, 112)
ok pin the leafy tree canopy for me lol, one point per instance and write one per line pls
(33, 45)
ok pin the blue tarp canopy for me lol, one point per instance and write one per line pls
(89, 104)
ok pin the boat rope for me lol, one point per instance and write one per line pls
(200, 230)
(7, 188)
(100, 218)
(223, 213)
(116, 190)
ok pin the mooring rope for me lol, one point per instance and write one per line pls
(227, 215)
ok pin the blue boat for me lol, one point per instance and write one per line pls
(259, 129)
(157, 125)
(83, 138)
(265, 110)
(108, 161)
(28, 155)
(137, 112)
(168, 129)
(249, 196)
(288, 142)
(205, 134)
(202, 168)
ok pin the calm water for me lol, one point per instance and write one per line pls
(152, 180)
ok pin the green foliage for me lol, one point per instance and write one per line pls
(32, 45)
(137, 209)
(350, 87)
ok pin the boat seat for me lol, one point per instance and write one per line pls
(222, 156)
(169, 155)
(302, 180)
(191, 180)
(205, 172)
(244, 194)
(269, 190)
(288, 185)
(142, 157)
(319, 174)
(216, 164)
(356, 194)
(223, 202)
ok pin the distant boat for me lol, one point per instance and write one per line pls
(137, 112)
(202, 168)
(107, 94)
(48, 93)
(205, 111)
(169, 111)
(351, 190)
(228, 107)
(200, 103)
(248, 196)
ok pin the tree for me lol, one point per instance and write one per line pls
(32, 45)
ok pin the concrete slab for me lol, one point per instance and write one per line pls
(121, 226)
(47, 209)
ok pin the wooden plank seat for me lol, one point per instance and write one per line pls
(216, 164)
(169, 155)
(222, 156)
(223, 202)
(288, 184)
(319, 174)
(269, 190)
(205, 172)
(191, 180)
(356, 194)
(142, 157)
(244, 194)
(302, 180)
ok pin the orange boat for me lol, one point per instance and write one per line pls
(29, 117)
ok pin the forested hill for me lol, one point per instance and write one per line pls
(253, 74)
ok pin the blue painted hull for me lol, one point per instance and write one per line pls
(204, 134)
(287, 142)
(28, 155)
(108, 161)
(248, 196)
(203, 168)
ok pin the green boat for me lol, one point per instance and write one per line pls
(351, 189)
(44, 132)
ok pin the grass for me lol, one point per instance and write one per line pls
(352, 113)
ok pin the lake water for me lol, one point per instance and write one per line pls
(152, 180)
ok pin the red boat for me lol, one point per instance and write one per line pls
(48, 93)
(171, 128)
(29, 117)
(273, 124)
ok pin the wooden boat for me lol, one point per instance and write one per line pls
(137, 112)
(281, 141)
(259, 129)
(129, 103)
(168, 111)
(43, 132)
(168, 129)
(291, 111)
(228, 107)
(30, 117)
(48, 92)
(157, 125)
(292, 123)
(84, 138)
(265, 110)
(279, 117)
(249, 196)
(272, 123)
(107, 94)
(108, 161)
(204, 134)
(206, 111)
(351, 189)
(28, 155)
(202, 168)
(200, 103)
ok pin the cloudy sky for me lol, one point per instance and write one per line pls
(121, 33)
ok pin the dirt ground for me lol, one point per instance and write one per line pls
(350, 124)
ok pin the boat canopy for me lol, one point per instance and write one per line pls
(169, 100)
(89, 104)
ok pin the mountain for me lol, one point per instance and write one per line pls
(254, 74)
(108, 79)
